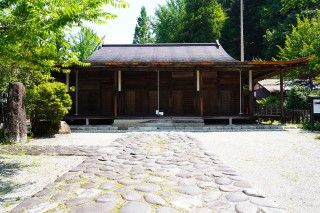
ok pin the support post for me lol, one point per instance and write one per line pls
(282, 98)
(77, 92)
(251, 94)
(117, 90)
(198, 81)
(240, 94)
(199, 93)
(158, 88)
(119, 81)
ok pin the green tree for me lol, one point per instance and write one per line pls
(142, 33)
(203, 21)
(85, 43)
(33, 37)
(304, 41)
(168, 17)
(284, 13)
(297, 98)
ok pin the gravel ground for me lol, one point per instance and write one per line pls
(284, 164)
(78, 139)
(23, 175)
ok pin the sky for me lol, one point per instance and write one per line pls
(121, 29)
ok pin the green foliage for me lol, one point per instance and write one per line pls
(306, 125)
(193, 21)
(85, 43)
(203, 21)
(303, 41)
(48, 103)
(33, 35)
(298, 98)
(167, 17)
(270, 101)
(266, 24)
(142, 33)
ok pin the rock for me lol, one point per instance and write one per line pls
(107, 198)
(60, 196)
(189, 189)
(154, 199)
(64, 128)
(186, 203)
(167, 210)
(87, 193)
(135, 207)
(207, 185)
(228, 188)
(76, 202)
(223, 181)
(216, 204)
(94, 208)
(128, 182)
(211, 196)
(202, 210)
(242, 184)
(26, 204)
(43, 207)
(237, 197)
(154, 180)
(246, 207)
(264, 202)
(15, 122)
(107, 186)
(254, 192)
(131, 196)
(204, 178)
(148, 188)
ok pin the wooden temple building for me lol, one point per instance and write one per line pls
(168, 80)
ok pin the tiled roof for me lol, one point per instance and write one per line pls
(160, 53)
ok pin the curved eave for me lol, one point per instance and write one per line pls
(290, 63)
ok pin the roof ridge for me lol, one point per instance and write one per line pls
(161, 45)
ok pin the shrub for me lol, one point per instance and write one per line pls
(298, 98)
(270, 101)
(48, 103)
(306, 125)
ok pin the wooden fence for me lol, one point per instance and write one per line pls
(290, 115)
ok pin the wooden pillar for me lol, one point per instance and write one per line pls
(77, 93)
(240, 93)
(282, 98)
(117, 83)
(251, 94)
(199, 93)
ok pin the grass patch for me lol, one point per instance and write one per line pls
(83, 182)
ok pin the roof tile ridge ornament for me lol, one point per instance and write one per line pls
(218, 43)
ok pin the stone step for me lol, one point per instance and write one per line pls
(164, 122)
(207, 128)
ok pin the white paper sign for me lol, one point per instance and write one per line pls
(316, 106)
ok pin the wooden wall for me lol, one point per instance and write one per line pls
(96, 92)
(99, 96)
(220, 93)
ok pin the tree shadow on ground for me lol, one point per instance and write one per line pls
(8, 169)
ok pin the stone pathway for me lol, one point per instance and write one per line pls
(166, 172)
